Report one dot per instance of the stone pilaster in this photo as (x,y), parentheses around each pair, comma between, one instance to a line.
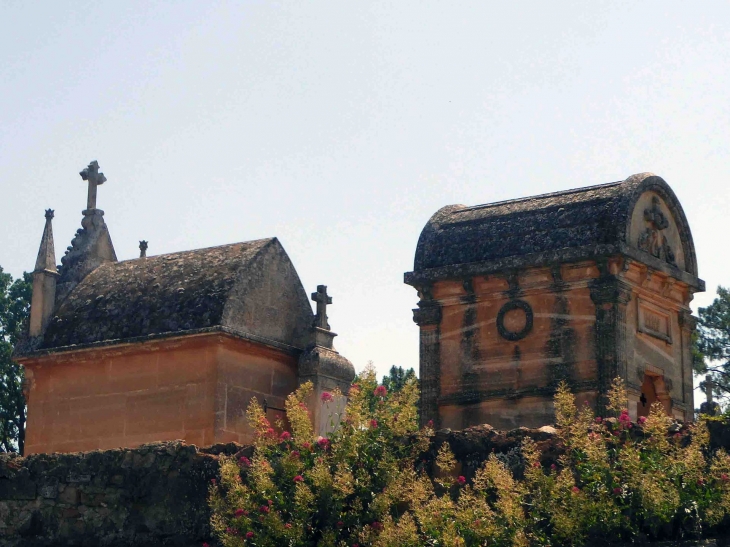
(428,317)
(687,326)
(611,296)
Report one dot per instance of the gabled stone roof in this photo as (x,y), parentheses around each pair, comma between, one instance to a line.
(568,225)
(226,286)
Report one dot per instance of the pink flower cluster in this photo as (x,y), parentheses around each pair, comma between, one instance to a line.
(327,397)
(285,436)
(380,391)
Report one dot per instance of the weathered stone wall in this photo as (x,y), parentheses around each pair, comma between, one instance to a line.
(156,494)
(152,495)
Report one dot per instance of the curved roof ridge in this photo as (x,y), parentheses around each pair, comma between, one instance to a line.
(262,241)
(173,292)
(570,225)
(539,196)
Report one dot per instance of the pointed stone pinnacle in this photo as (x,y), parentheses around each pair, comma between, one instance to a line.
(46,260)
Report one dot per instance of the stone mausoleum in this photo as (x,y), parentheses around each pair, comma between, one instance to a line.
(121,353)
(583,286)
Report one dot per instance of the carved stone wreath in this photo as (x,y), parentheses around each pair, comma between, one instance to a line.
(508,307)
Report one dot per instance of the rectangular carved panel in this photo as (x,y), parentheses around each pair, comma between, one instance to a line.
(654,321)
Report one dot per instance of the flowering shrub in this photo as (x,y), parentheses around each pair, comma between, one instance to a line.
(367,486)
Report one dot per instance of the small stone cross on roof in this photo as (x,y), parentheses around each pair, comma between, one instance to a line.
(322,299)
(95,178)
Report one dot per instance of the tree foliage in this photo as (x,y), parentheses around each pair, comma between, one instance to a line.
(711,350)
(398,377)
(14,310)
(368,485)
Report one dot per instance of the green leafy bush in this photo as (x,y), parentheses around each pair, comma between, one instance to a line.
(367,486)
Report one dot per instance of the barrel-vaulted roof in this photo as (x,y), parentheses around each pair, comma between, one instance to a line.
(539,230)
(250,288)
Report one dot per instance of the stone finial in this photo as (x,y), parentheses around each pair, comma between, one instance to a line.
(95,178)
(46,260)
(143,249)
(709,407)
(709,385)
(44,281)
(322,299)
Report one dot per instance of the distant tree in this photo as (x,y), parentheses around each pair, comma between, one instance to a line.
(14,310)
(711,348)
(397,378)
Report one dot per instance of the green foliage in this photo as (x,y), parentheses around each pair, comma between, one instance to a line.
(14,310)
(368,486)
(711,347)
(397,378)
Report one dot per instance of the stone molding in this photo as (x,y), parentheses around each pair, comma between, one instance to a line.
(610,290)
(477,396)
(563,256)
(429,314)
(508,307)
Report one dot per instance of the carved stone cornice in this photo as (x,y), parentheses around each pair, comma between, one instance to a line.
(686,320)
(429,314)
(610,290)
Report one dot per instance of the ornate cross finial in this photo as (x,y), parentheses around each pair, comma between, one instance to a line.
(322,299)
(143,249)
(49,214)
(95,178)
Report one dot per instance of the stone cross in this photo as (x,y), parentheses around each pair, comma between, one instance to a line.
(322,299)
(709,384)
(95,178)
(143,249)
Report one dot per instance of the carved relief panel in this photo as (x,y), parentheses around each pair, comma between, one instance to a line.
(654,231)
(654,321)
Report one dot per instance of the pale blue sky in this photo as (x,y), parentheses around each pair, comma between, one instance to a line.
(340,127)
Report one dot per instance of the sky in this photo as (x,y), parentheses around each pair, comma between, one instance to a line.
(341,127)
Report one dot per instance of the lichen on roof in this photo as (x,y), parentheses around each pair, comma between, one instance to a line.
(172,293)
(534,230)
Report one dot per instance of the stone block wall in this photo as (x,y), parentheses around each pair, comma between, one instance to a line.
(156,495)
(152,495)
